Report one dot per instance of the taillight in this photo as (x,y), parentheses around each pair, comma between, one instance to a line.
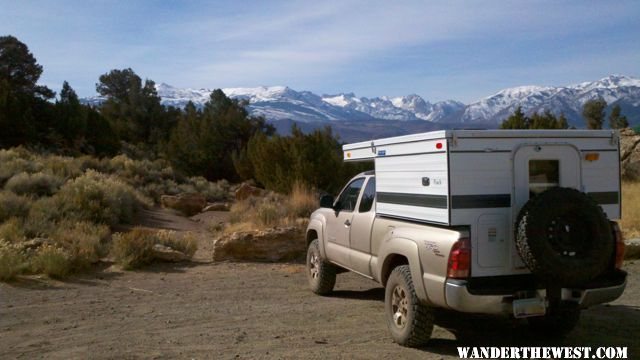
(459,265)
(619,245)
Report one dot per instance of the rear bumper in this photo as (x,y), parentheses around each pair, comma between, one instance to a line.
(459,298)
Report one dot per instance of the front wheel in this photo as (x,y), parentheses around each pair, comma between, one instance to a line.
(320,273)
(410,322)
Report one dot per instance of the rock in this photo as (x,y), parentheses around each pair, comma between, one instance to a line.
(630,154)
(245,191)
(188,203)
(216,207)
(271,245)
(165,253)
(632,249)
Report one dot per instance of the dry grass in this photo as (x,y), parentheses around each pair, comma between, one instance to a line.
(302,201)
(52,260)
(630,222)
(12,261)
(187,244)
(12,230)
(272,210)
(84,242)
(135,249)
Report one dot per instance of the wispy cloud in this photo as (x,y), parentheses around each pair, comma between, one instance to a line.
(373,48)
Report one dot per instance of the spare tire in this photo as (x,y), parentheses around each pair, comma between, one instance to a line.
(564,237)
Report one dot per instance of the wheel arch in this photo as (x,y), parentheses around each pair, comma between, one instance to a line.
(401,251)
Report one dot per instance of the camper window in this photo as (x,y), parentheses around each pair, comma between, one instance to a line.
(543,174)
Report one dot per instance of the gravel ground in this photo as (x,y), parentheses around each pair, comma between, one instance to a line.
(251,311)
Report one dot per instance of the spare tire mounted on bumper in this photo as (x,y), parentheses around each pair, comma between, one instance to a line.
(564,237)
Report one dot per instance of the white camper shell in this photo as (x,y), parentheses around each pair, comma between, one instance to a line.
(482,178)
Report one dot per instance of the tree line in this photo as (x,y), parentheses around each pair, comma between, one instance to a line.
(593,113)
(220,140)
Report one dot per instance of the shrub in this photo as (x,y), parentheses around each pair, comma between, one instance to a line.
(212,191)
(134,249)
(269,214)
(12,230)
(12,260)
(302,201)
(17,160)
(83,241)
(265,212)
(38,184)
(62,167)
(99,198)
(12,205)
(43,215)
(187,244)
(52,260)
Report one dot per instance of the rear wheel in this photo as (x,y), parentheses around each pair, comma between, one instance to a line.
(410,322)
(320,273)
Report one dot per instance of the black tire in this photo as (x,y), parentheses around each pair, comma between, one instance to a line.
(320,273)
(558,322)
(564,237)
(410,322)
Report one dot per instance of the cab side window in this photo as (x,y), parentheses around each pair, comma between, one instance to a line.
(349,196)
(368,196)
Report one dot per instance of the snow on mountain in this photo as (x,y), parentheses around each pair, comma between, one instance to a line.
(614,89)
(283,103)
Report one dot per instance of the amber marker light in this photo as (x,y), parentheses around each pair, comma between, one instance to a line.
(592,156)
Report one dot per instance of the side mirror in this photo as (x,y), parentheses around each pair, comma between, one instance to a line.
(326,201)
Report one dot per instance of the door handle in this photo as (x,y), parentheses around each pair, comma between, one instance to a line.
(347,223)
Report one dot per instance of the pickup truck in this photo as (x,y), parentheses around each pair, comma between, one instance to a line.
(494,222)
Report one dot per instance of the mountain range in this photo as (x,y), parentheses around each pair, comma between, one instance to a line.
(382,116)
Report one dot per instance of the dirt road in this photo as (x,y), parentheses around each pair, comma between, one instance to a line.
(252,311)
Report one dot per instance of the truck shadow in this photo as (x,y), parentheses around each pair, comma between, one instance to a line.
(373,294)
(605,325)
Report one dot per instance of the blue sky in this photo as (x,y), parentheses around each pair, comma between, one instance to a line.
(462,50)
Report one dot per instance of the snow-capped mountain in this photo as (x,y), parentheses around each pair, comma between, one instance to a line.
(614,89)
(278,103)
(281,102)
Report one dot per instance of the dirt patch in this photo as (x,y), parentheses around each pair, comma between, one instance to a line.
(253,311)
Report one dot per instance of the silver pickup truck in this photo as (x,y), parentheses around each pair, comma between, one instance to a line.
(492,222)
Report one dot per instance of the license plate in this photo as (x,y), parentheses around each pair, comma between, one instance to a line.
(524,308)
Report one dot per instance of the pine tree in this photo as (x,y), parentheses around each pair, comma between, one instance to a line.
(71,118)
(616,119)
(562,121)
(204,142)
(517,120)
(24,111)
(132,107)
(593,113)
